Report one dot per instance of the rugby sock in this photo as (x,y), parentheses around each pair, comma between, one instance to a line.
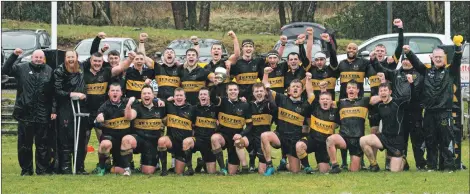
(304,159)
(162,154)
(219,156)
(344,156)
(188,159)
(252,158)
(173,160)
(269,163)
(102,159)
(126,157)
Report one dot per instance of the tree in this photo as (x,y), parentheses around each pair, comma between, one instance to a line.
(204,15)
(282,13)
(107,9)
(102,13)
(303,11)
(179,14)
(192,16)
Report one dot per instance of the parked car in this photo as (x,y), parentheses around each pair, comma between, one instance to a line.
(123,45)
(422,44)
(180,47)
(292,30)
(28,40)
(292,47)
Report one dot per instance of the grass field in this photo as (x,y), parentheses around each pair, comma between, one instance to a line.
(361,182)
(70,35)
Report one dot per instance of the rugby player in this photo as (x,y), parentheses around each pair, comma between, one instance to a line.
(391,113)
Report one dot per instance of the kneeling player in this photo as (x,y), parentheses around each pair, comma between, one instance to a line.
(180,118)
(323,121)
(353,112)
(147,126)
(233,116)
(204,127)
(114,127)
(391,111)
(290,125)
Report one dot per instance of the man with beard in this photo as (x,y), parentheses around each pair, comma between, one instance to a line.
(33,109)
(321,72)
(290,124)
(217,61)
(205,125)
(114,126)
(437,101)
(413,119)
(194,77)
(391,138)
(233,116)
(69,84)
(137,76)
(354,68)
(248,69)
(179,120)
(147,118)
(353,112)
(323,120)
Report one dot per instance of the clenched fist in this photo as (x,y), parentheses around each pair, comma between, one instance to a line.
(102,35)
(409,77)
(105,47)
(268,70)
(325,37)
(372,55)
(231,34)
(143,37)
(131,55)
(301,38)
(390,60)
(18,51)
(406,48)
(308,75)
(310,31)
(283,39)
(398,23)
(194,39)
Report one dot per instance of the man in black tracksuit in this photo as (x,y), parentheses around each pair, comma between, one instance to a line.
(437,101)
(70,83)
(412,122)
(33,108)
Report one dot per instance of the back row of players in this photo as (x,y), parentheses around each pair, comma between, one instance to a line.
(203,114)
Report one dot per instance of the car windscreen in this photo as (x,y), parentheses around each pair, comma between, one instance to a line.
(85,46)
(421,45)
(12,41)
(291,47)
(181,46)
(293,32)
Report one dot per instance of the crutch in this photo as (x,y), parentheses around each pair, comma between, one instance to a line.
(76,129)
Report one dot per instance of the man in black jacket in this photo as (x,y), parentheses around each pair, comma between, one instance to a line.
(33,109)
(69,83)
(437,101)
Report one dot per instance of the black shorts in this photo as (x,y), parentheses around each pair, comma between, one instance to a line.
(147,149)
(255,143)
(353,145)
(231,151)
(177,148)
(116,147)
(205,147)
(288,144)
(319,147)
(395,145)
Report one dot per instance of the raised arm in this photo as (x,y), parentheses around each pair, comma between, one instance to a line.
(195,41)
(95,45)
(457,60)
(236,48)
(399,49)
(309,43)
(142,39)
(283,40)
(267,71)
(308,85)
(415,62)
(123,65)
(8,68)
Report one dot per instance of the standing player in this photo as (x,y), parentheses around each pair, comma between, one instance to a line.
(390,111)
(323,121)
(147,118)
(248,69)
(353,112)
(437,101)
(290,125)
(137,76)
(180,119)
(205,125)
(194,77)
(233,116)
(217,61)
(114,126)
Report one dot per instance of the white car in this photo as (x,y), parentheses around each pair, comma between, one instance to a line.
(422,44)
(123,45)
